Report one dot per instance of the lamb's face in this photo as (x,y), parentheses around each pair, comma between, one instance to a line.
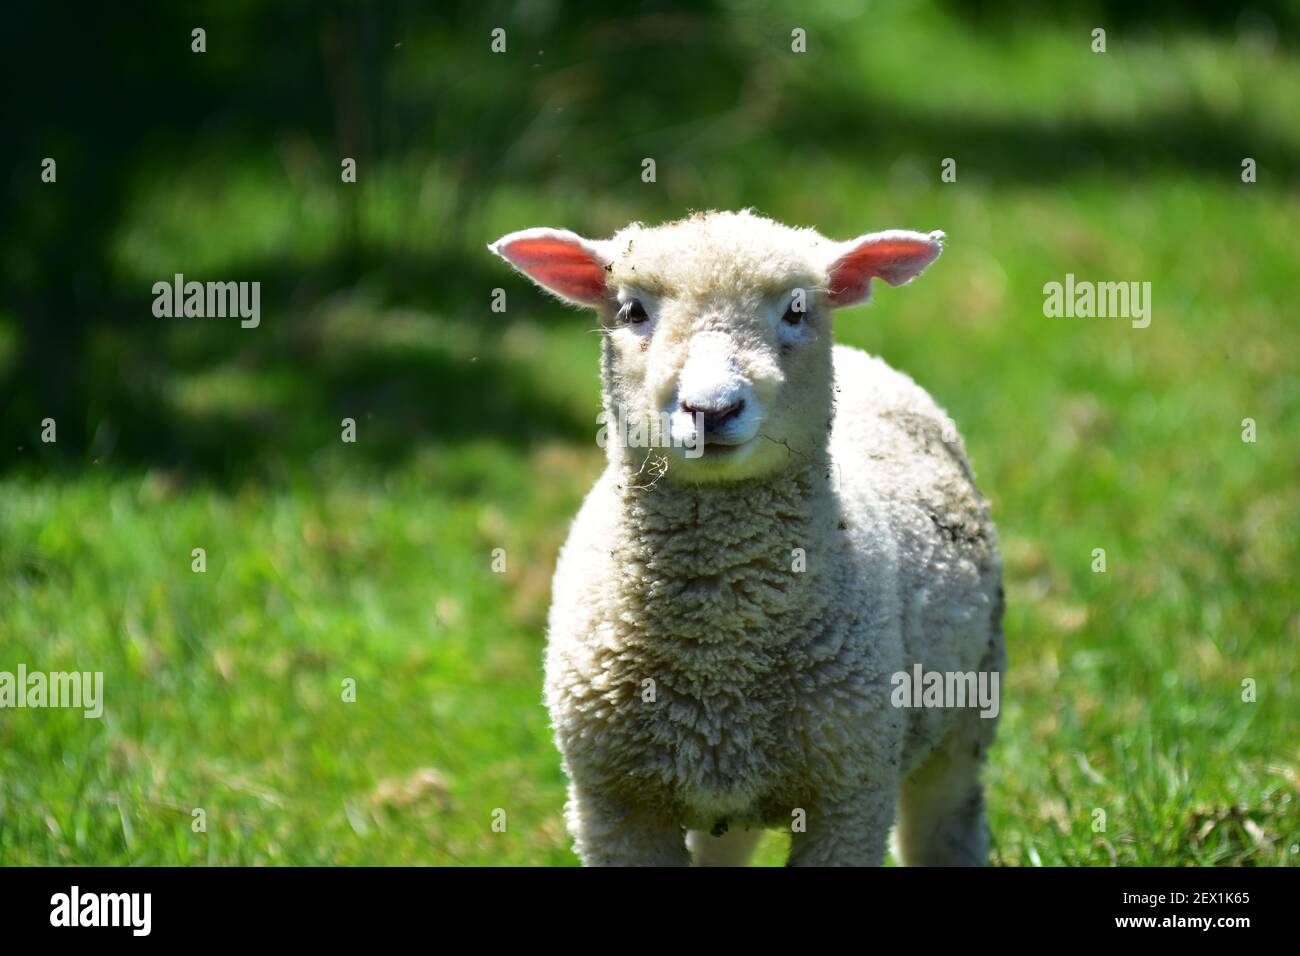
(718,332)
(726,349)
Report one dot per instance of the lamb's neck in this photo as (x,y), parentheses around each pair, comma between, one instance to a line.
(729,564)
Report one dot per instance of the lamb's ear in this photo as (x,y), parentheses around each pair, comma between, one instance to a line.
(896,255)
(559,261)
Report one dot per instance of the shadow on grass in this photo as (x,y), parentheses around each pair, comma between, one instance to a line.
(581,102)
(1011,152)
(125,410)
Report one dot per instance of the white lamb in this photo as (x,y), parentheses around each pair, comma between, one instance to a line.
(727,626)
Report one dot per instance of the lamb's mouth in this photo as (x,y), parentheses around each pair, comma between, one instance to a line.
(714,446)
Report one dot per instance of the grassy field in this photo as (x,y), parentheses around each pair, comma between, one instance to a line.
(371,561)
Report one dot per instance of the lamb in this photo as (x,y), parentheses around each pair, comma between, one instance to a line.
(729,629)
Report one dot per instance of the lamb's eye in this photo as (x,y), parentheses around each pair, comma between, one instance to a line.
(634,313)
(792,315)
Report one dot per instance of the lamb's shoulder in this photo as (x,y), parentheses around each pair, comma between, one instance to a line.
(893,444)
(875,405)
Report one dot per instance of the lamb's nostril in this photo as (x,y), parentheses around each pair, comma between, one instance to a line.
(715,418)
(727,414)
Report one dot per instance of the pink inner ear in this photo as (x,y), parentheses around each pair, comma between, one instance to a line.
(564,265)
(895,257)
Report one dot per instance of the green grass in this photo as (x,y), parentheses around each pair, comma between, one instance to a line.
(328,561)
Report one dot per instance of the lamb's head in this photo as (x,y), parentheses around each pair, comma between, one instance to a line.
(717,330)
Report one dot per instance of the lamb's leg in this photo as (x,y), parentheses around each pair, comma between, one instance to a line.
(732,848)
(606,833)
(941,805)
(846,831)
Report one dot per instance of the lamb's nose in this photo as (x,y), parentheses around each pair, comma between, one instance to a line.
(715,417)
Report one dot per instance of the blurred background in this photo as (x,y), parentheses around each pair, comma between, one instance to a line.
(1125,738)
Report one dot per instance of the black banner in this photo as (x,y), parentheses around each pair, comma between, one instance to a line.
(336,906)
